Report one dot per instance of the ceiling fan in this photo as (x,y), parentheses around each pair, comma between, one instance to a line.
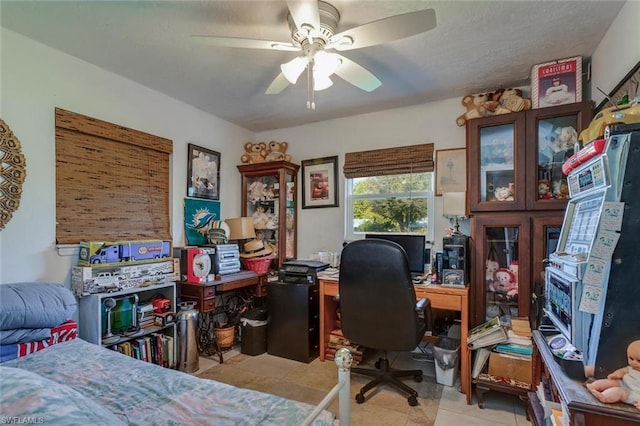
(313,27)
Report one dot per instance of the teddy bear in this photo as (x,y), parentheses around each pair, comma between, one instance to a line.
(254,152)
(511,100)
(256,191)
(477,106)
(277,151)
(544,190)
(491,267)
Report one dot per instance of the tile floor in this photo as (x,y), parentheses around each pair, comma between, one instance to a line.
(310,382)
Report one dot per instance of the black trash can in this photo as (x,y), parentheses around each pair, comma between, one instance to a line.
(253,332)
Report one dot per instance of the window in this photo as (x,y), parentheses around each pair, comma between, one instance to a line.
(389,190)
(394,203)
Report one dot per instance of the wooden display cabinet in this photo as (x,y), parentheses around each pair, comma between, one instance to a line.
(515,160)
(269,195)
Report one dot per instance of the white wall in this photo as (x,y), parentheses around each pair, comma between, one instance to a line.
(35,80)
(320,229)
(618,51)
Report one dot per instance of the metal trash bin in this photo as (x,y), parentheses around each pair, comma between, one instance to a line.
(253,332)
(188,357)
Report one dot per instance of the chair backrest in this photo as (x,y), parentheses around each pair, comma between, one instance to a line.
(377,298)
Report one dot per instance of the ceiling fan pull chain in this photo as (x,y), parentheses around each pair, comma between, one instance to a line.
(311,104)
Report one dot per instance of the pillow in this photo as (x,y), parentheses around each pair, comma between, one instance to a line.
(28,395)
(24,335)
(35,305)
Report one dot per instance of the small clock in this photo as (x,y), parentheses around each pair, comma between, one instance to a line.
(196,264)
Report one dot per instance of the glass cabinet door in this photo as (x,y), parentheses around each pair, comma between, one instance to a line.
(269,197)
(552,137)
(262,205)
(496,163)
(503,257)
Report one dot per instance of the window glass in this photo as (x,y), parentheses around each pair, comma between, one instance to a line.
(393,203)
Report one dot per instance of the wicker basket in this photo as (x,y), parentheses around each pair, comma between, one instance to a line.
(259,265)
(225,336)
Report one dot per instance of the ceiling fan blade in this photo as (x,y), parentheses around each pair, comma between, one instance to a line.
(385,30)
(277,85)
(304,12)
(247,43)
(357,75)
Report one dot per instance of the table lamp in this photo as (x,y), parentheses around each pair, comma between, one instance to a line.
(454,207)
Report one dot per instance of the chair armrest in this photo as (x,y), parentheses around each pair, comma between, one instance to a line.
(423,306)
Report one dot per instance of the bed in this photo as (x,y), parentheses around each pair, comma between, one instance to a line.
(75,382)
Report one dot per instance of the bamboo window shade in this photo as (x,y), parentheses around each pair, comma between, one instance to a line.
(112,182)
(389,161)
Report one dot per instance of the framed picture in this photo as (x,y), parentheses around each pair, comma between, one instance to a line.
(320,182)
(451,170)
(557,82)
(203,173)
(629,85)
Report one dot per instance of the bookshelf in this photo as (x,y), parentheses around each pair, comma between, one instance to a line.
(93,324)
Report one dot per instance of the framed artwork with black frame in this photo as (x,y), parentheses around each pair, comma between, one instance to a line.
(203,173)
(320,182)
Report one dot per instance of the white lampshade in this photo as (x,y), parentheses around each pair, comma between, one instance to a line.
(454,204)
(326,63)
(321,82)
(292,69)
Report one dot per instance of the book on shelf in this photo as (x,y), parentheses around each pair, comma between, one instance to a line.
(488,333)
(517,339)
(520,326)
(480,359)
(515,350)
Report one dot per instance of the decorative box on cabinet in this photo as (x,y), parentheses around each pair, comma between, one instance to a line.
(93,321)
(515,160)
(269,195)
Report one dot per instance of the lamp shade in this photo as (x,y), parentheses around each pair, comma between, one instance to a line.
(241,228)
(454,204)
(292,69)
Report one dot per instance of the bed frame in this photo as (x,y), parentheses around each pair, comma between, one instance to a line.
(342,389)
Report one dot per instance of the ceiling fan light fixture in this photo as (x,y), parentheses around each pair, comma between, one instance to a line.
(321,82)
(292,69)
(325,63)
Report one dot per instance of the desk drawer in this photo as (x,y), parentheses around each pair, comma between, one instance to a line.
(441,301)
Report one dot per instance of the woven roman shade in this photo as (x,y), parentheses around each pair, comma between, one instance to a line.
(112,183)
(389,161)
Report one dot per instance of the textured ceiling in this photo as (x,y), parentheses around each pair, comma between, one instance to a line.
(476,46)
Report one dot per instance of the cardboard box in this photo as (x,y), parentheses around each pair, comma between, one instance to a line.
(506,366)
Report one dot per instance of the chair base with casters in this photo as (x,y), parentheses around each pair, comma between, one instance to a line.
(383,374)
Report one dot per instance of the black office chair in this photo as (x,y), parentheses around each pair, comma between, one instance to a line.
(379,309)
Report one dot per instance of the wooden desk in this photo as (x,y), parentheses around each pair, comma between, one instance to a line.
(204,293)
(454,299)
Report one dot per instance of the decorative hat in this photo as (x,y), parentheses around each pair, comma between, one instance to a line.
(255,248)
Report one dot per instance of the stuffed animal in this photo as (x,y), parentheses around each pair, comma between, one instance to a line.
(544,190)
(511,100)
(277,151)
(560,190)
(254,152)
(504,281)
(256,191)
(477,106)
(491,267)
(504,193)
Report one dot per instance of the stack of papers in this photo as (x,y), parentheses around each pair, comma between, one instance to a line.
(487,334)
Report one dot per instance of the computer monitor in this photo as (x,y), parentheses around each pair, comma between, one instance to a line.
(413,244)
